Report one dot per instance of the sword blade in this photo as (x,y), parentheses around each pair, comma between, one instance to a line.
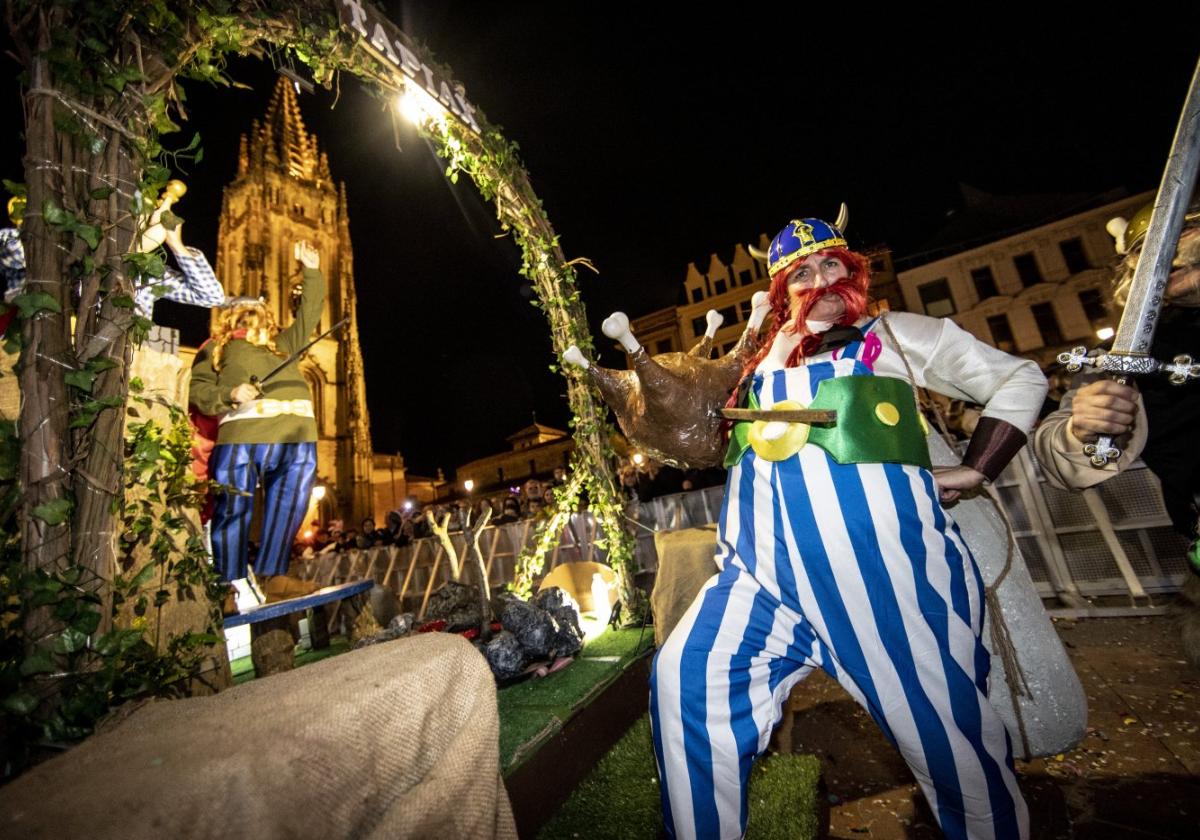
(279,367)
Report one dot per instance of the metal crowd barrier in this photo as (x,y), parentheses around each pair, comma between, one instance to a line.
(1112,540)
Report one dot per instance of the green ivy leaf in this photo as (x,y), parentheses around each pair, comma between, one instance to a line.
(102,193)
(69,641)
(86,622)
(89,234)
(37,663)
(54,512)
(81,379)
(20,703)
(142,577)
(55,215)
(30,303)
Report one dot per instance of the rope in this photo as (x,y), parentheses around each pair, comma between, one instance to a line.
(1002,643)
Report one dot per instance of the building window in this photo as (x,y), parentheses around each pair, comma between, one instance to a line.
(1047,324)
(697,294)
(730,316)
(936,299)
(1076,259)
(728,347)
(1093,305)
(985,282)
(663,346)
(1027,269)
(1002,334)
(746,276)
(699,325)
(745,309)
(718,287)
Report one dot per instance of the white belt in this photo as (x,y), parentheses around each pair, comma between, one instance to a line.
(256,409)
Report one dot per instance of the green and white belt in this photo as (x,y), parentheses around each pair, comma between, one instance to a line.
(877,422)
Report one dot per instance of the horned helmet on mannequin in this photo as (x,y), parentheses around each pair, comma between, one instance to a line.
(1182,289)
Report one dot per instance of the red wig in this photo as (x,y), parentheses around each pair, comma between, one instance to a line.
(852,290)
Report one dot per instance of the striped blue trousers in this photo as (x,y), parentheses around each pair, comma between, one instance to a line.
(286,471)
(853,568)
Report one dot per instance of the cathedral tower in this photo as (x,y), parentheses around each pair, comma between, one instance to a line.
(284,192)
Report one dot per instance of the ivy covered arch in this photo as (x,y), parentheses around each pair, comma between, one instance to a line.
(101,99)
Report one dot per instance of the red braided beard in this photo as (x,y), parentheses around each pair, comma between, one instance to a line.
(854,298)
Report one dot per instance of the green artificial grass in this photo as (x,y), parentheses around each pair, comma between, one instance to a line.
(620,797)
(536,708)
(626,643)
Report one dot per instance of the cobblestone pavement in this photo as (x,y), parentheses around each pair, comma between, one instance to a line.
(1135,775)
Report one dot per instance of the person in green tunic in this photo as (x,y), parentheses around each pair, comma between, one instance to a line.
(267,430)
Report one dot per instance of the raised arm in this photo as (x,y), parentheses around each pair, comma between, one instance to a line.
(312,299)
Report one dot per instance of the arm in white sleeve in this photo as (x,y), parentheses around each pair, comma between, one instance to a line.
(946,358)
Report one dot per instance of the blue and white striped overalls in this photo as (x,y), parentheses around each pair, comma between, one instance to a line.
(853,568)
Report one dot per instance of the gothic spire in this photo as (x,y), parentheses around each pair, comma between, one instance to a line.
(284,134)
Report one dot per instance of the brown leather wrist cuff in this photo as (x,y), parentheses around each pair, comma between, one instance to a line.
(993,445)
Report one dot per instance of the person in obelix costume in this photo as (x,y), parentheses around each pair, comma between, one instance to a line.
(266,433)
(835,552)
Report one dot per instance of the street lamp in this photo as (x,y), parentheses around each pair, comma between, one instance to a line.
(469,485)
(639,458)
(418,107)
(1104,333)
(318,492)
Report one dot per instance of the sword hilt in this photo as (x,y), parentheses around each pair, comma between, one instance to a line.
(1076,358)
(1181,369)
(1102,451)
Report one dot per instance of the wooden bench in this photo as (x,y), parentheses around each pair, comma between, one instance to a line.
(272,644)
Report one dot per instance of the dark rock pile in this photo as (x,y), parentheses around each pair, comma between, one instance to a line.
(398,627)
(539,631)
(542,630)
(457,604)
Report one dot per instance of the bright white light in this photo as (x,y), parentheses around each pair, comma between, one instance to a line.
(1105,333)
(639,458)
(318,492)
(308,534)
(469,485)
(408,505)
(418,107)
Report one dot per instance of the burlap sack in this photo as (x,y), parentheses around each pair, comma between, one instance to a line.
(686,560)
(397,740)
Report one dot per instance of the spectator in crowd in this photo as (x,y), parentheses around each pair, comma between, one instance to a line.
(371,536)
(394,527)
(510,512)
(559,478)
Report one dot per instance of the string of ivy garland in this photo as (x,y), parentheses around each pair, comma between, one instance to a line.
(494,165)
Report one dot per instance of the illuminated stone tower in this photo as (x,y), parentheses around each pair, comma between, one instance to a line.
(284,192)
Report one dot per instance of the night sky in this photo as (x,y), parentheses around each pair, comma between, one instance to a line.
(655,140)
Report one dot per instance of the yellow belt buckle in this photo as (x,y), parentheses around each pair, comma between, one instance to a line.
(770,442)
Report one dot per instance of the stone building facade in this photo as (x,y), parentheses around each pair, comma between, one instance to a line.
(1033,293)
